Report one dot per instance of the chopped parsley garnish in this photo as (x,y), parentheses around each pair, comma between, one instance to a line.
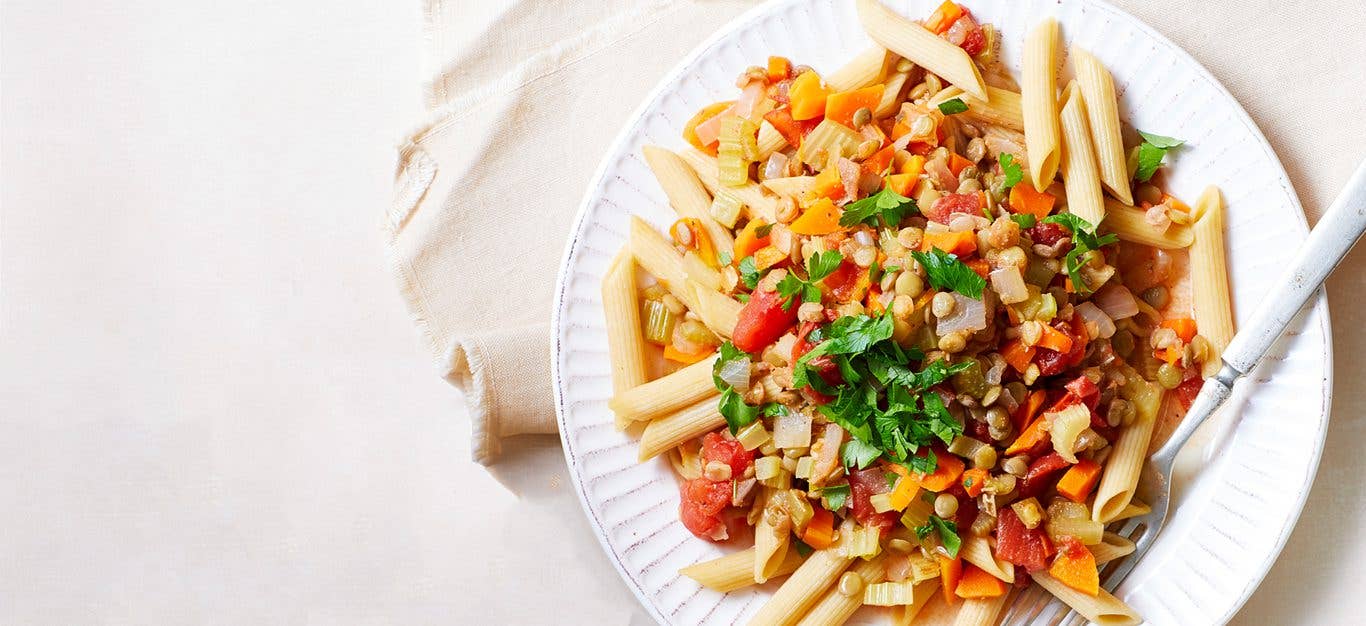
(948,534)
(887,206)
(820,265)
(1151,153)
(1025,220)
(952,106)
(1084,241)
(947,272)
(856,453)
(1012,170)
(763,231)
(732,406)
(725,257)
(834,497)
(749,273)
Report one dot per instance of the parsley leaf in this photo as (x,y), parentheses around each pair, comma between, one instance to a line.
(1084,241)
(886,205)
(763,231)
(738,414)
(952,106)
(818,267)
(822,264)
(1025,220)
(947,272)
(1150,154)
(834,497)
(1161,142)
(1012,170)
(749,273)
(858,454)
(948,533)
(924,464)
(725,257)
(801,547)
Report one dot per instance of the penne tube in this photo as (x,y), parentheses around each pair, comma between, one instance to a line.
(699,272)
(893,91)
(1130,224)
(790,186)
(666,394)
(1001,108)
(625,343)
(835,608)
(906,615)
(977,550)
(922,47)
(736,571)
(659,258)
(718,311)
(1081,178)
(804,587)
(1039,102)
(770,539)
(863,70)
(750,194)
(1102,114)
(981,611)
(1120,477)
(1209,276)
(1110,548)
(686,194)
(693,420)
(1134,509)
(769,140)
(1103,608)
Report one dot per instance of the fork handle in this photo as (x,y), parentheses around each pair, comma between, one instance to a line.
(1337,231)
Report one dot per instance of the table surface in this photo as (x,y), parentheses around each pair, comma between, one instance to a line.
(214,407)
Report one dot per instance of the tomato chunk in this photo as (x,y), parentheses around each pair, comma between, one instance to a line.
(1039,473)
(942,210)
(728,451)
(863,486)
(701,506)
(1020,545)
(1047,233)
(762,321)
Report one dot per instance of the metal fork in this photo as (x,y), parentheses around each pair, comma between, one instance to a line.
(1327,244)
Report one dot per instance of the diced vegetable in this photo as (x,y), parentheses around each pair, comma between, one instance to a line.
(1029,511)
(890,594)
(950,573)
(1018,355)
(1079,480)
(960,243)
(1183,326)
(1025,199)
(726,209)
(946,473)
(768,257)
(778,68)
(907,487)
(1055,340)
(977,583)
(1066,426)
(827,141)
(828,184)
(658,322)
(917,513)
(749,241)
(792,430)
(820,531)
(792,130)
(1075,567)
(709,113)
(762,321)
(840,107)
(863,542)
(1040,471)
(753,436)
(973,481)
(738,149)
(880,161)
(674,354)
(822,218)
(902,184)
(958,163)
(1020,545)
(913,166)
(807,96)
(943,17)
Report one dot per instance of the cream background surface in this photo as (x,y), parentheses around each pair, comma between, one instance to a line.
(213,408)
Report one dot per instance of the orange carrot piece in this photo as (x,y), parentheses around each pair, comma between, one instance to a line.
(943,17)
(1055,340)
(879,161)
(901,183)
(1018,355)
(706,113)
(689,358)
(961,243)
(1184,327)
(1031,407)
(820,531)
(898,129)
(913,166)
(958,163)
(1170,355)
(840,107)
(905,490)
(1033,434)
(973,481)
(807,96)
(950,572)
(748,241)
(1075,567)
(1025,199)
(946,473)
(828,184)
(768,256)
(1079,480)
(979,265)
(822,218)
(778,68)
(977,583)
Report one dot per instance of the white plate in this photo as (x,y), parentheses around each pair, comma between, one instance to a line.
(1234,515)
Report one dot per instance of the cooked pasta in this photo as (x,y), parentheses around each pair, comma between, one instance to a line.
(892,337)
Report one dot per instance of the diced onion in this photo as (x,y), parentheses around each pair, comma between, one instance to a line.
(961,222)
(803,470)
(1098,324)
(1088,531)
(792,430)
(775,166)
(923,569)
(750,98)
(881,502)
(968,314)
(1117,301)
(736,373)
(1029,512)
(863,237)
(1009,284)
(740,491)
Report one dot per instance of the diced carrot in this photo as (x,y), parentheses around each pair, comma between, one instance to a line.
(1075,567)
(1176,203)
(913,166)
(961,243)
(706,113)
(1055,340)
(872,303)
(977,583)
(820,531)
(807,96)
(944,17)
(791,130)
(778,68)
(1184,327)
(1025,199)
(946,473)
(879,161)
(1013,316)
(1018,355)
(973,481)
(1025,414)
(674,354)
(748,241)
(1033,434)
(822,218)
(979,265)
(958,163)
(905,490)
(899,129)
(696,239)
(1077,483)
(950,572)
(840,107)
(901,183)
(1169,355)
(768,256)
(828,184)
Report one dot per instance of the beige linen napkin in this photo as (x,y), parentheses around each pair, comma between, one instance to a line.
(486,190)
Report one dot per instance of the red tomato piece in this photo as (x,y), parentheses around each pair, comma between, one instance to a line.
(1050,362)
(1040,471)
(843,281)
(762,321)
(975,42)
(1188,389)
(1084,390)
(1020,545)
(942,210)
(863,486)
(701,506)
(728,451)
(1047,233)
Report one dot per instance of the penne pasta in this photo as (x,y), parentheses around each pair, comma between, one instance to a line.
(893,91)
(922,47)
(625,344)
(699,272)
(981,611)
(686,194)
(1080,177)
(1209,275)
(835,607)
(736,571)
(1039,102)
(1103,608)
(664,433)
(791,186)
(718,311)
(771,535)
(977,550)
(1120,477)
(1110,548)
(750,194)
(769,141)
(865,69)
(924,592)
(1130,224)
(666,394)
(660,259)
(1102,114)
(804,587)
(1134,509)
(1001,108)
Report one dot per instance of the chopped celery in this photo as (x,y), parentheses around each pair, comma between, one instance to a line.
(658,322)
